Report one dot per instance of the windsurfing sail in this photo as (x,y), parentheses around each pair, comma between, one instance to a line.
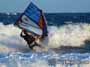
(33,20)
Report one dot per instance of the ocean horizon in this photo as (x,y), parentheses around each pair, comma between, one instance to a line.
(51,18)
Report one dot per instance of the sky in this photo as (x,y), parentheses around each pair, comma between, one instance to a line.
(46,5)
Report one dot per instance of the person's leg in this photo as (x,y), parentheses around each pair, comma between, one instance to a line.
(31,46)
(37,47)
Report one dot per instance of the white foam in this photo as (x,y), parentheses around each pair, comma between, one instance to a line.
(69,35)
(10,39)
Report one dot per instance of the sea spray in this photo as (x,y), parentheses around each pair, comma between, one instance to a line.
(66,35)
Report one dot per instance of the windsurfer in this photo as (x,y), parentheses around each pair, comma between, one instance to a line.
(33,41)
(34,25)
(29,38)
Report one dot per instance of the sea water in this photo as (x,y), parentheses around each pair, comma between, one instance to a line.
(44,60)
(11,54)
(15,53)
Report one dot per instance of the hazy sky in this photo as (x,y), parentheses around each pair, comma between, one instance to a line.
(46,5)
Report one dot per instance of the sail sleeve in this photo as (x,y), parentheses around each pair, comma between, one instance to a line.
(33,20)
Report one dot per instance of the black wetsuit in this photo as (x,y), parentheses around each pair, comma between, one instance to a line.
(29,39)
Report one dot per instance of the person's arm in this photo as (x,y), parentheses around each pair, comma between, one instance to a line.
(22,34)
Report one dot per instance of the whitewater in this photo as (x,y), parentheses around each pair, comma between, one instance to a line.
(14,51)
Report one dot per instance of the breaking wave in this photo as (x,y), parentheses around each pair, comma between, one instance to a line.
(66,35)
(69,35)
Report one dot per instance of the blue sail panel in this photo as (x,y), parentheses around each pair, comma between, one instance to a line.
(33,12)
